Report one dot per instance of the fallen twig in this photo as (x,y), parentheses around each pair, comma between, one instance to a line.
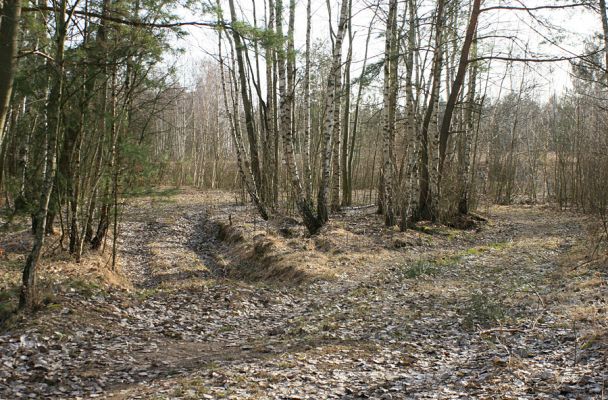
(502,330)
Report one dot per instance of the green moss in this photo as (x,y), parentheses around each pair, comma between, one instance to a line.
(500,245)
(474,251)
(477,250)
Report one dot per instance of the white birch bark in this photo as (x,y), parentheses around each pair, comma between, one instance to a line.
(330,117)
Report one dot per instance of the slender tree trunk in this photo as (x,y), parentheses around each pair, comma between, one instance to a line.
(286,64)
(330,117)
(465,158)
(335,150)
(9,31)
(346,184)
(74,188)
(428,130)
(107,200)
(444,131)
(28,289)
(356,112)
(604,17)
(410,208)
(307,173)
(103,214)
(269,115)
(244,171)
(388,114)
(249,121)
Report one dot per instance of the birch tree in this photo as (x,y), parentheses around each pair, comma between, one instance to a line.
(246,99)
(330,115)
(430,134)
(285,67)
(388,114)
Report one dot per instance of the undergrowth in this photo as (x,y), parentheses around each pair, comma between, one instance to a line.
(8,304)
(420,268)
(430,267)
(482,310)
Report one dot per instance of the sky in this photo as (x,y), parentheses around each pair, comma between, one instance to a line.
(549,33)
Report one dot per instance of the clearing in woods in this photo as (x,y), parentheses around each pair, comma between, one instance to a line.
(222,305)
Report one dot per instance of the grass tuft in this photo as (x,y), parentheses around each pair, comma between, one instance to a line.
(8,304)
(482,310)
(421,268)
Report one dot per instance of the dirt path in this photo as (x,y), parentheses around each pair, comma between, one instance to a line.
(477,315)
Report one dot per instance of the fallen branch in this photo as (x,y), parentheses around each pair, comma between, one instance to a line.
(502,330)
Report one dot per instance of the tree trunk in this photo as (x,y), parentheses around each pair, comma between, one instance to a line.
(604,18)
(286,92)
(249,123)
(388,114)
(429,133)
(444,131)
(346,185)
(237,140)
(330,117)
(335,150)
(307,173)
(465,156)
(356,114)
(9,31)
(410,207)
(27,297)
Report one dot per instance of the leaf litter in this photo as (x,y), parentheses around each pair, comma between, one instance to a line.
(359,311)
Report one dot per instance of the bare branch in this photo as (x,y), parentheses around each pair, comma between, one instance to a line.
(536,60)
(132,22)
(537,8)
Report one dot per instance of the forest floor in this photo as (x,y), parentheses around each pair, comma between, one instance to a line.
(210,302)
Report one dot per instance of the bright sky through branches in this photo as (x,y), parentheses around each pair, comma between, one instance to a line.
(548,33)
